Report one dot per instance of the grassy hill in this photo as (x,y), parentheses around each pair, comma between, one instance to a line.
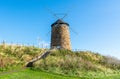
(15,56)
(81,64)
(60,63)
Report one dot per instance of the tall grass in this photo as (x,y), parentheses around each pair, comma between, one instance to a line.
(15,56)
(64,62)
(81,63)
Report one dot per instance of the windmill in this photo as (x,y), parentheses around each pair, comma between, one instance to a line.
(60,35)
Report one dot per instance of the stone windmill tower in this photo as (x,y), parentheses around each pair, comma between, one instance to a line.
(60,36)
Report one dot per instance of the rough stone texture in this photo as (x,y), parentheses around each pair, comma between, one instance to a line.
(60,37)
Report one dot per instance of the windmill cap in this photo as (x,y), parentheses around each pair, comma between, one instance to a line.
(59,21)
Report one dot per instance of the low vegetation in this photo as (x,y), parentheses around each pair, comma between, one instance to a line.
(76,65)
(31,74)
(15,56)
(82,63)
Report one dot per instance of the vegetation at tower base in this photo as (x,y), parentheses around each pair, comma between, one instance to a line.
(62,62)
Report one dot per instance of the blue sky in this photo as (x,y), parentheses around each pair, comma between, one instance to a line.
(97,23)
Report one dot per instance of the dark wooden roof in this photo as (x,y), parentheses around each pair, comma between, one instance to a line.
(59,21)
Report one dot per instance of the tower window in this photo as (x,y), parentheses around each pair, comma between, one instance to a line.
(58,47)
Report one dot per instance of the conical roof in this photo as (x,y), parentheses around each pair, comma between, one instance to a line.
(59,21)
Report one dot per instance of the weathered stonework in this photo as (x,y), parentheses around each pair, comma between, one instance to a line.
(60,37)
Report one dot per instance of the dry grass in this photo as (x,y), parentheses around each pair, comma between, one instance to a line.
(12,56)
(74,63)
(82,63)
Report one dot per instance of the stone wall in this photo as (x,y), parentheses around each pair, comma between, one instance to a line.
(60,37)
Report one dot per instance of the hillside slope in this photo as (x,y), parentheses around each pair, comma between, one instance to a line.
(82,63)
(64,62)
(15,56)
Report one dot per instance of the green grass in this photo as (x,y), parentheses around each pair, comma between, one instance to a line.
(80,64)
(32,74)
(73,65)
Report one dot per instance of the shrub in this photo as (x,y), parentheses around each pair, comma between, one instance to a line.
(111,62)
